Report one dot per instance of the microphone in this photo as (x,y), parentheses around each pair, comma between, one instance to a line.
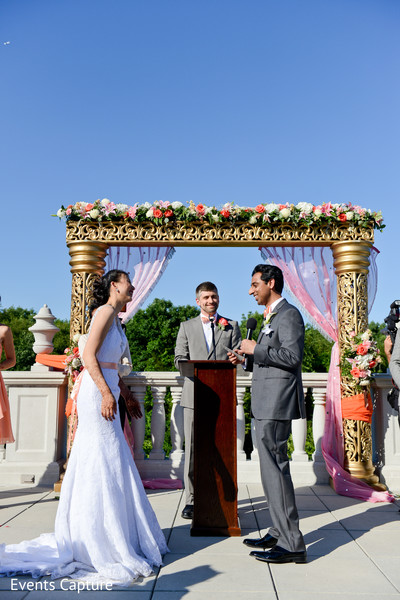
(251,325)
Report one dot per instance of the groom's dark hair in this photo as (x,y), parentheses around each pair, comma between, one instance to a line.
(270,272)
(206,286)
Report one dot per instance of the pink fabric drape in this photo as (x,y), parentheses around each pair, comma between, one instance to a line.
(145,264)
(311,281)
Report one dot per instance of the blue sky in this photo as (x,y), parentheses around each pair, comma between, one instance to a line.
(213,101)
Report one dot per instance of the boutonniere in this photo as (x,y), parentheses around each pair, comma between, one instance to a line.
(266,328)
(222,324)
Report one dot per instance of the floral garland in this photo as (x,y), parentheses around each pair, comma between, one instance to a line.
(73,363)
(161,212)
(360,359)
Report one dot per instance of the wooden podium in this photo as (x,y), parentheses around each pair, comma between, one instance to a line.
(215,477)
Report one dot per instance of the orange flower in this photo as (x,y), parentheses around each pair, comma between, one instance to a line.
(225,213)
(89,207)
(168,213)
(342,217)
(157,214)
(200,209)
(260,208)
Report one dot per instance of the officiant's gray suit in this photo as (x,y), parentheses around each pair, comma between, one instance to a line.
(191,345)
(277,397)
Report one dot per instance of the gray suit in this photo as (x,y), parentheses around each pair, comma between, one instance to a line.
(277,397)
(191,345)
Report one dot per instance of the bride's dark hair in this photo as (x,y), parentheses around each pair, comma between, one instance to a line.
(101,288)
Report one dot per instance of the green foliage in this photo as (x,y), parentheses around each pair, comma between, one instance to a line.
(61,339)
(379,337)
(19,320)
(317,351)
(152,334)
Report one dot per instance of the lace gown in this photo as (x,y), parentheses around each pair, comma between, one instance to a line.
(105,529)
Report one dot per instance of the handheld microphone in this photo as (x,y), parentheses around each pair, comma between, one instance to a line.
(251,325)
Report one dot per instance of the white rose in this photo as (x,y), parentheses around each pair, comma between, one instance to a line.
(176,205)
(105,201)
(149,213)
(146,205)
(317,212)
(285,213)
(252,220)
(215,218)
(76,363)
(349,215)
(94,213)
(305,207)
(122,207)
(61,213)
(76,337)
(269,208)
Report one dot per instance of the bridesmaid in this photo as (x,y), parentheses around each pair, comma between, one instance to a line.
(6,343)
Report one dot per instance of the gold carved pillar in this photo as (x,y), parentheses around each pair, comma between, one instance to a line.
(351,263)
(87,263)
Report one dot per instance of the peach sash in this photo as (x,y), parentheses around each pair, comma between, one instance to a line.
(6,434)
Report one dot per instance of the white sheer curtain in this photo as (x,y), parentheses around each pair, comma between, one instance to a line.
(311,281)
(145,265)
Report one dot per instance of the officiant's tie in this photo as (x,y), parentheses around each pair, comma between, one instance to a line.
(214,351)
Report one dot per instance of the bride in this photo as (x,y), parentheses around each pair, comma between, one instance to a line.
(105,528)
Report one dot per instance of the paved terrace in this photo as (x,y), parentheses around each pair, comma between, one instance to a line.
(353,551)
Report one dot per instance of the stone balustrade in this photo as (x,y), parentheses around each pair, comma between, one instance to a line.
(37,401)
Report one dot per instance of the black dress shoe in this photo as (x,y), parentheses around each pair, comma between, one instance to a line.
(280,555)
(268,541)
(187,512)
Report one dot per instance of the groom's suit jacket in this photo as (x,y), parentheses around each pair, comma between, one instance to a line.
(191,345)
(277,389)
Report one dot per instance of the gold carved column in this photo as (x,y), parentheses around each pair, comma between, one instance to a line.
(351,263)
(87,263)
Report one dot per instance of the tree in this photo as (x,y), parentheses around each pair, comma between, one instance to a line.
(62,338)
(152,334)
(19,320)
(317,351)
(378,335)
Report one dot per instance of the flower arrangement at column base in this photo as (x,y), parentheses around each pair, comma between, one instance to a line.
(357,365)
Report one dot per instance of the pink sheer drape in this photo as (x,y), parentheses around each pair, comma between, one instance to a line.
(145,264)
(311,281)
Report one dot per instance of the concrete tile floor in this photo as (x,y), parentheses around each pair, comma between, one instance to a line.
(353,551)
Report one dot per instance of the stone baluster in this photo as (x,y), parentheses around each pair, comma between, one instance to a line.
(138,426)
(254,454)
(176,423)
(318,422)
(158,422)
(240,422)
(299,436)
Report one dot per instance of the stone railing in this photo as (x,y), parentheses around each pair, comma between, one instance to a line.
(157,465)
(37,402)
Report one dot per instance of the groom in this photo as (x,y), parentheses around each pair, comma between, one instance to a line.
(201,338)
(276,398)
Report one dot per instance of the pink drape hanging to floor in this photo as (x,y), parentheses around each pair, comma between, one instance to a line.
(145,265)
(311,281)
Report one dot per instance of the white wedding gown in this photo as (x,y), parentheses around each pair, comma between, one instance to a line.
(105,528)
